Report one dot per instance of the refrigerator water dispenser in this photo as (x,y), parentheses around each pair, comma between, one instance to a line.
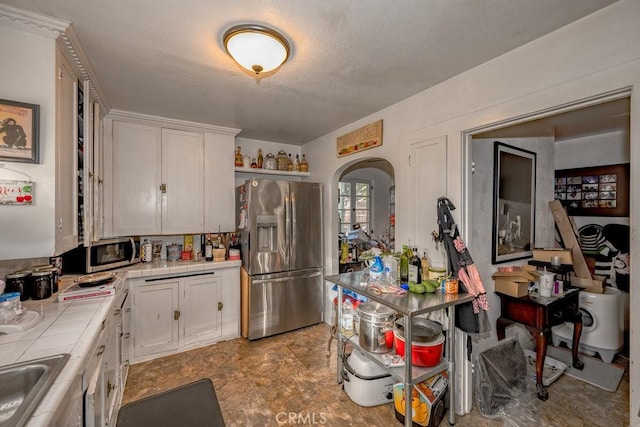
(267,226)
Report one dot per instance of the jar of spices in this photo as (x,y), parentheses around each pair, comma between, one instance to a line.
(283,160)
(270,162)
(42,286)
(54,276)
(19,282)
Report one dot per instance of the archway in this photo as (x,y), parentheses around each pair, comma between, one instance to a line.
(367,199)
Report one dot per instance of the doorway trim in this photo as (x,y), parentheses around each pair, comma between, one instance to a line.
(467,135)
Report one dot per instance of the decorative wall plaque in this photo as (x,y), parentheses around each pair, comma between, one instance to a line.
(366,137)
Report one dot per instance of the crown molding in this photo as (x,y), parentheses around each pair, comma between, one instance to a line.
(32,22)
(72,49)
(116,114)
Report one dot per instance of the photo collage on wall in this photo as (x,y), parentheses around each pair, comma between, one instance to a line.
(590,191)
(594,191)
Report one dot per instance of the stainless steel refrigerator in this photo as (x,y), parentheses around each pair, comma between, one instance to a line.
(280,233)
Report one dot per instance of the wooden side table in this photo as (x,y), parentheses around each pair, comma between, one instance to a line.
(540,314)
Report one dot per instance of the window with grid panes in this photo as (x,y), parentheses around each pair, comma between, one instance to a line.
(354,205)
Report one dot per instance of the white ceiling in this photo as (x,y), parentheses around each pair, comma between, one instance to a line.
(350,58)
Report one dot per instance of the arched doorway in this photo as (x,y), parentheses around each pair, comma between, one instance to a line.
(365,210)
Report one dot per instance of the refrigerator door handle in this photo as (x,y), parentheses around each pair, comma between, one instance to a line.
(287,226)
(287,278)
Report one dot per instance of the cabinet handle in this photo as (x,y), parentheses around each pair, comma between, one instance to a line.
(117,312)
(176,315)
(127,335)
(101,350)
(163,188)
(220,305)
(109,388)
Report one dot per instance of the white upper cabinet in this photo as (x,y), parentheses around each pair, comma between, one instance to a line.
(66,201)
(166,177)
(182,182)
(135,179)
(219,182)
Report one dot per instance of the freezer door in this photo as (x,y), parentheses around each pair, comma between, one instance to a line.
(267,240)
(284,302)
(306,225)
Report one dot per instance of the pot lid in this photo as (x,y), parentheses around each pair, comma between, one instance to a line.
(375,308)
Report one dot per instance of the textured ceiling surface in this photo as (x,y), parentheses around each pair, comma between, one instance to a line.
(349,58)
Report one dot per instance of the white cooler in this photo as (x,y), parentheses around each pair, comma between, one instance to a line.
(366,383)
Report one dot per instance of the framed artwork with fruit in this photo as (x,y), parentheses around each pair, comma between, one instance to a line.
(16,192)
(19,131)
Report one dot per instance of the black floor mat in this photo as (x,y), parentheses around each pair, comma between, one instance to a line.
(193,404)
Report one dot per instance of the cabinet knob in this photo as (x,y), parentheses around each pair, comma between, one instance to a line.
(176,315)
(220,305)
(163,188)
(100,350)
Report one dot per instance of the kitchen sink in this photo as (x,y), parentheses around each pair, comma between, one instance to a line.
(24,384)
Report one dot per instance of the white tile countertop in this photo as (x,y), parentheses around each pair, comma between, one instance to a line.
(73,327)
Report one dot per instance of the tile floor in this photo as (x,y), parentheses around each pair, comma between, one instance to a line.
(289,380)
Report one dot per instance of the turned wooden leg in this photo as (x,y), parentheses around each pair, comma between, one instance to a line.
(541,353)
(577,331)
(501,324)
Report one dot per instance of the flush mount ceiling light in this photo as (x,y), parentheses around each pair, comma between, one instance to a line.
(258,49)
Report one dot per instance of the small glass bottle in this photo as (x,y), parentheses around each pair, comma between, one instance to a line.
(208,249)
(238,159)
(254,164)
(260,158)
(289,163)
(304,166)
(296,164)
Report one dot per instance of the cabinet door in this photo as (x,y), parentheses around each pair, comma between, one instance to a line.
(231,300)
(66,202)
(182,174)
(219,182)
(95,398)
(97,179)
(135,179)
(155,318)
(201,307)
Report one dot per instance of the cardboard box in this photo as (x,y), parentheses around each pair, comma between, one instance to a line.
(522,275)
(515,288)
(544,255)
(595,285)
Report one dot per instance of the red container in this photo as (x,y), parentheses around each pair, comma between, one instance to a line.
(422,354)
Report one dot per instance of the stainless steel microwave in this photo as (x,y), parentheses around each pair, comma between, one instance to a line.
(102,255)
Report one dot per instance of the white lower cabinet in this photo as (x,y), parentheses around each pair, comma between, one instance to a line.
(172,314)
(103,374)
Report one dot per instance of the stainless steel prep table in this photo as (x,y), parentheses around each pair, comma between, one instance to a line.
(409,305)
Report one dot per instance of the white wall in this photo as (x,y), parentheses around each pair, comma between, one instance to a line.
(595,150)
(27,75)
(480,230)
(595,55)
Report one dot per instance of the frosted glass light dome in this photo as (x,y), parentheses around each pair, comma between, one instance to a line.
(258,49)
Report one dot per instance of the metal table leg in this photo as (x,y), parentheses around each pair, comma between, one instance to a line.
(451,351)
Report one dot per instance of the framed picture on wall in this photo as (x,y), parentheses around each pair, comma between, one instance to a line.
(19,125)
(514,196)
(594,191)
